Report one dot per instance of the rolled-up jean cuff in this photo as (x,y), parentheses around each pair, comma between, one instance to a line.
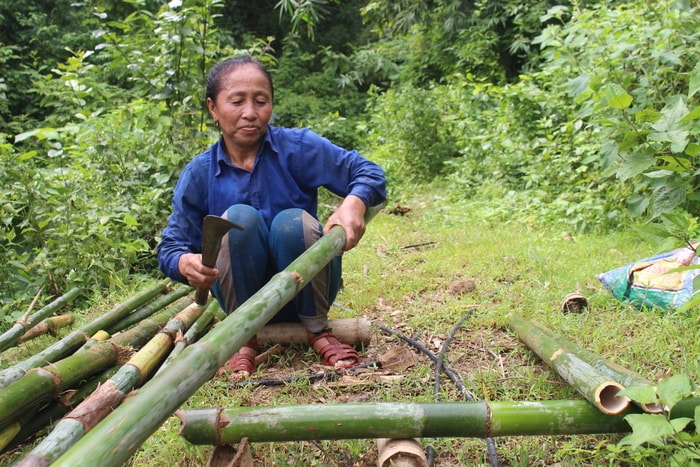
(314,324)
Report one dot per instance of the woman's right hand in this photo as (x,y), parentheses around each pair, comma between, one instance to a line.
(197,274)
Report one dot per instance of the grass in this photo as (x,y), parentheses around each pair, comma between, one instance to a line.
(403,275)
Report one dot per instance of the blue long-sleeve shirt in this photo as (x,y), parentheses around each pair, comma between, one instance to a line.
(290,166)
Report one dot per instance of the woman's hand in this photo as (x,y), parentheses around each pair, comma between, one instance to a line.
(351,216)
(197,274)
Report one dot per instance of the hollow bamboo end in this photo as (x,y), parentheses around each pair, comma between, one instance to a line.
(574,303)
(608,400)
(653,408)
(402,452)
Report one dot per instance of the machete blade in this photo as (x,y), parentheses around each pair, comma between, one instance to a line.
(213,229)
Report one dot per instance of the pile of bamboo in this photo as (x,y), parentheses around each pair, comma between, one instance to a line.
(164,343)
(62,377)
(30,390)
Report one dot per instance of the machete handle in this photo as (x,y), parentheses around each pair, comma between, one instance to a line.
(201,296)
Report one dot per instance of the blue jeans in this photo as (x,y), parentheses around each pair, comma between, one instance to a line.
(250,257)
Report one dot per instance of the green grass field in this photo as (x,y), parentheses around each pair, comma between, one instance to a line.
(409,274)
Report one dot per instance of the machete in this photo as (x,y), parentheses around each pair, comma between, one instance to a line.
(213,230)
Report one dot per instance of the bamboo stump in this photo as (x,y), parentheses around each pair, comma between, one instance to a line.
(400,453)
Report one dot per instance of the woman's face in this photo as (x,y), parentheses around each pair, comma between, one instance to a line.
(243,106)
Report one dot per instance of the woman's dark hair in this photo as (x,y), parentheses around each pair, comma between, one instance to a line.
(225,67)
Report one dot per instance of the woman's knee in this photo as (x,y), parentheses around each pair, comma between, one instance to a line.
(246,216)
(288,219)
(296,224)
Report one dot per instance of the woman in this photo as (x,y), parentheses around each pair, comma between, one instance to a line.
(266,179)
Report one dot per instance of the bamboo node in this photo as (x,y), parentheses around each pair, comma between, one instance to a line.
(296,277)
(179,337)
(123,353)
(556,355)
(100,403)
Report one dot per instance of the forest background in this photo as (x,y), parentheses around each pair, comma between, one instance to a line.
(576,117)
(576,113)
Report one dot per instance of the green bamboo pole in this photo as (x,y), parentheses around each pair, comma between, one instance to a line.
(148,309)
(40,385)
(99,336)
(193,333)
(30,423)
(48,326)
(404,420)
(9,433)
(110,394)
(140,314)
(597,388)
(121,433)
(622,375)
(10,337)
(77,337)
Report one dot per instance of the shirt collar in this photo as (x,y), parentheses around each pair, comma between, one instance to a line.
(222,157)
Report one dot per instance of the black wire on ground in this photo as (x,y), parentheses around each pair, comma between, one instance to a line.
(493,456)
(490,444)
(445,368)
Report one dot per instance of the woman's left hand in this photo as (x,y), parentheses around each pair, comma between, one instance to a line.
(351,216)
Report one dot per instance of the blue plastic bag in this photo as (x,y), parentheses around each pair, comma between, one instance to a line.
(655,281)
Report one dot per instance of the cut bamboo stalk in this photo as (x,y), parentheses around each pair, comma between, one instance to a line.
(622,375)
(77,337)
(193,333)
(351,331)
(9,433)
(118,436)
(32,422)
(40,385)
(10,337)
(110,394)
(175,298)
(147,310)
(48,326)
(406,420)
(597,388)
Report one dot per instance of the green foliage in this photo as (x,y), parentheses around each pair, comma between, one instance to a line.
(435,39)
(513,145)
(330,99)
(34,37)
(604,130)
(660,438)
(84,197)
(406,135)
(307,13)
(632,73)
(168,53)
(304,103)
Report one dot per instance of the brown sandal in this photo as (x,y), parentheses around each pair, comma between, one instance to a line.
(242,364)
(332,351)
